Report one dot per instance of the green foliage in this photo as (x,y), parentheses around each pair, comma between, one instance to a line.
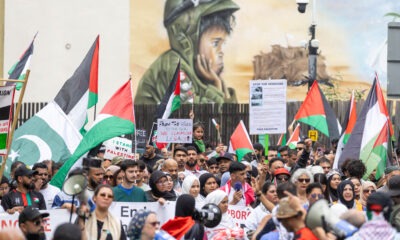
(394,15)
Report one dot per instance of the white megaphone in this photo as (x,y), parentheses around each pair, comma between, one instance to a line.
(73,186)
(320,215)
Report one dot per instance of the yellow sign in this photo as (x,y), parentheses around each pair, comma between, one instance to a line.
(313,135)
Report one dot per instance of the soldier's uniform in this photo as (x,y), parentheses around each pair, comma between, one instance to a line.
(182,20)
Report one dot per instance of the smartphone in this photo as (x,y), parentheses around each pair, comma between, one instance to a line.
(224,148)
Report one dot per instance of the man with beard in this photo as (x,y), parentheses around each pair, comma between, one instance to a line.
(191,167)
(171,166)
(150,157)
(180,156)
(31,222)
(127,191)
(24,195)
(42,183)
(95,176)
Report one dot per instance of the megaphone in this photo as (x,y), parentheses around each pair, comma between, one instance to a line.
(210,215)
(320,215)
(74,185)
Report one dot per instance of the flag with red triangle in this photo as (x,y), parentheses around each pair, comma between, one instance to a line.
(117,118)
(240,142)
(316,112)
(366,141)
(170,103)
(281,140)
(292,142)
(348,125)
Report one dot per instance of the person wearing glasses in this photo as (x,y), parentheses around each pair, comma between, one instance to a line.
(143,225)
(109,175)
(302,178)
(42,183)
(127,191)
(367,189)
(281,175)
(24,195)
(31,222)
(100,224)
(314,192)
(159,183)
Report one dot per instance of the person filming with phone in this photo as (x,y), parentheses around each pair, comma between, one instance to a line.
(239,192)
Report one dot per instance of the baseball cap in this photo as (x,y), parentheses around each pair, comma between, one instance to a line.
(394,186)
(225,156)
(281,171)
(30,213)
(24,171)
(390,169)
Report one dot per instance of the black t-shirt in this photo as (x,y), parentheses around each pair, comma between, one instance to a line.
(109,237)
(15,198)
(150,161)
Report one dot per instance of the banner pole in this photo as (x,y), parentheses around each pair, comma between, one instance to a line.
(14,122)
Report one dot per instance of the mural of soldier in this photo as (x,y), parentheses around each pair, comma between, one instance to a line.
(197,32)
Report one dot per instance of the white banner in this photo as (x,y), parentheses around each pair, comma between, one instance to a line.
(267,106)
(122,210)
(118,147)
(174,130)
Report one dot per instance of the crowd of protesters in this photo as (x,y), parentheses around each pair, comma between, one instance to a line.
(279,184)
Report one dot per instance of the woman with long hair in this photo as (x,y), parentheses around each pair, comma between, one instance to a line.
(334,179)
(100,224)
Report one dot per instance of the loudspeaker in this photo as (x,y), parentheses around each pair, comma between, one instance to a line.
(74,185)
(320,215)
(210,215)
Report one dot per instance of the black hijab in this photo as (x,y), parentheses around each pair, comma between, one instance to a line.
(155,176)
(342,185)
(203,179)
(185,205)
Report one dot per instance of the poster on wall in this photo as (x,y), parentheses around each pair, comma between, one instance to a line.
(267,106)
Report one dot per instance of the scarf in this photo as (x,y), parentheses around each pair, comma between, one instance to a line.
(340,190)
(203,179)
(111,225)
(247,191)
(155,176)
(200,145)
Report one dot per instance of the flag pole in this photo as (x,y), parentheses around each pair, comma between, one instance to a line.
(134,117)
(14,120)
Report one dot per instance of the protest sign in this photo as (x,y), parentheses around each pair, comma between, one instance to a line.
(118,147)
(174,130)
(6,101)
(267,106)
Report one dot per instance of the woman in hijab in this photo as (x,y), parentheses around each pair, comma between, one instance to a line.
(158,183)
(208,184)
(185,207)
(143,225)
(331,187)
(220,198)
(346,195)
(191,185)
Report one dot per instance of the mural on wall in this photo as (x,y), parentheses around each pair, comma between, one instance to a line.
(222,44)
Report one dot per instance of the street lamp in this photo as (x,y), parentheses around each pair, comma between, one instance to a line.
(313,43)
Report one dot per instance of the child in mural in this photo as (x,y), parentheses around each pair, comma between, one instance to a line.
(197,34)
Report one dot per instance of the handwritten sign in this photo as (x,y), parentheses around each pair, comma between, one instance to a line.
(118,147)
(174,130)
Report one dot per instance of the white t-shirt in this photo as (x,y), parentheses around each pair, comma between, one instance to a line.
(48,194)
(242,201)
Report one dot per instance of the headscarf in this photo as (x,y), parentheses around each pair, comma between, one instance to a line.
(216,197)
(188,182)
(340,190)
(330,193)
(155,176)
(137,223)
(185,205)
(113,168)
(203,179)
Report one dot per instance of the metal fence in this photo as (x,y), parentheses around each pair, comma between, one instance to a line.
(227,115)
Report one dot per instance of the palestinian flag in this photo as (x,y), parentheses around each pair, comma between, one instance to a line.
(292,142)
(240,141)
(369,130)
(282,140)
(349,122)
(170,103)
(379,154)
(6,103)
(316,112)
(53,133)
(116,118)
(19,69)
(172,99)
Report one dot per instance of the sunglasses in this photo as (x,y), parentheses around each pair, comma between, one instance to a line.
(282,178)
(108,176)
(369,191)
(106,195)
(317,196)
(304,180)
(154,224)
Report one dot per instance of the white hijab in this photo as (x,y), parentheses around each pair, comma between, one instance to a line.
(187,185)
